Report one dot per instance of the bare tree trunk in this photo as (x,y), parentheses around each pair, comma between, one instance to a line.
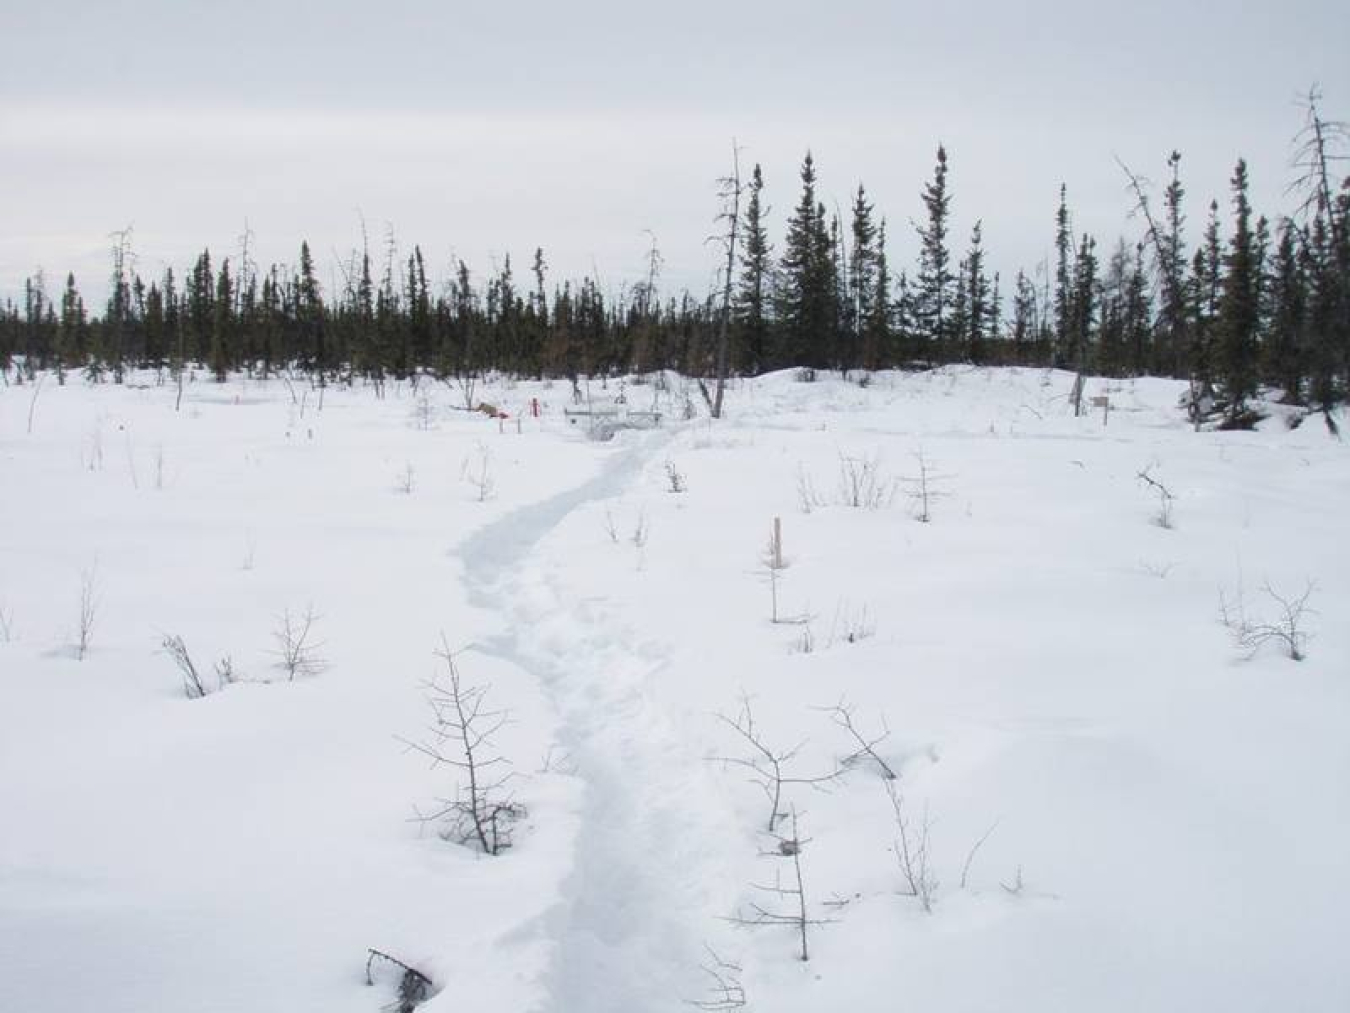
(731,197)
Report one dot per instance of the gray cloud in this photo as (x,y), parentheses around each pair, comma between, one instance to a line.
(483,130)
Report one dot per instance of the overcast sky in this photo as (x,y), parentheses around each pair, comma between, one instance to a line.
(577,126)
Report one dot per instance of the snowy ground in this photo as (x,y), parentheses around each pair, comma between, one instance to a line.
(1171,818)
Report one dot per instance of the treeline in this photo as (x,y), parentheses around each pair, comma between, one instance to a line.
(1255,303)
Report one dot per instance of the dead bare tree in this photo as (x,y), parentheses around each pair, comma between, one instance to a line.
(1169,265)
(296,652)
(482,811)
(768,767)
(1315,158)
(842,715)
(730,193)
(1287,629)
(912,850)
(6,624)
(793,894)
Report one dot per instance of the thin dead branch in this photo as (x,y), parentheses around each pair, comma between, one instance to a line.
(768,768)
(842,715)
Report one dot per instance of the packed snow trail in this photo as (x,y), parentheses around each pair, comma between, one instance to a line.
(646,883)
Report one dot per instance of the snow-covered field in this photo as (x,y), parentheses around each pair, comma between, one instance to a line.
(1170,817)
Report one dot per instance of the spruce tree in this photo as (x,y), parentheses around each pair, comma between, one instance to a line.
(752,299)
(807,296)
(222,325)
(1138,317)
(1064,355)
(1206,276)
(1239,310)
(877,339)
(1024,326)
(1285,334)
(310,318)
(862,270)
(72,329)
(1083,300)
(201,297)
(979,305)
(935,286)
(1174,317)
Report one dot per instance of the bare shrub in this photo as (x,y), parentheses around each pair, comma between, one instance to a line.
(1016,886)
(194,686)
(805,643)
(424,411)
(641,531)
(225,672)
(6,624)
(1163,515)
(768,768)
(176,649)
(1161,570)
(1288,628)
(675,480)
(912,850)
(414,987)
(862,484)
(296,651)
(610,528)
(851,625)
(405,479)
(482,811)
(95,459)
(725,991)
(88,614)
(477,472)
(808,499)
